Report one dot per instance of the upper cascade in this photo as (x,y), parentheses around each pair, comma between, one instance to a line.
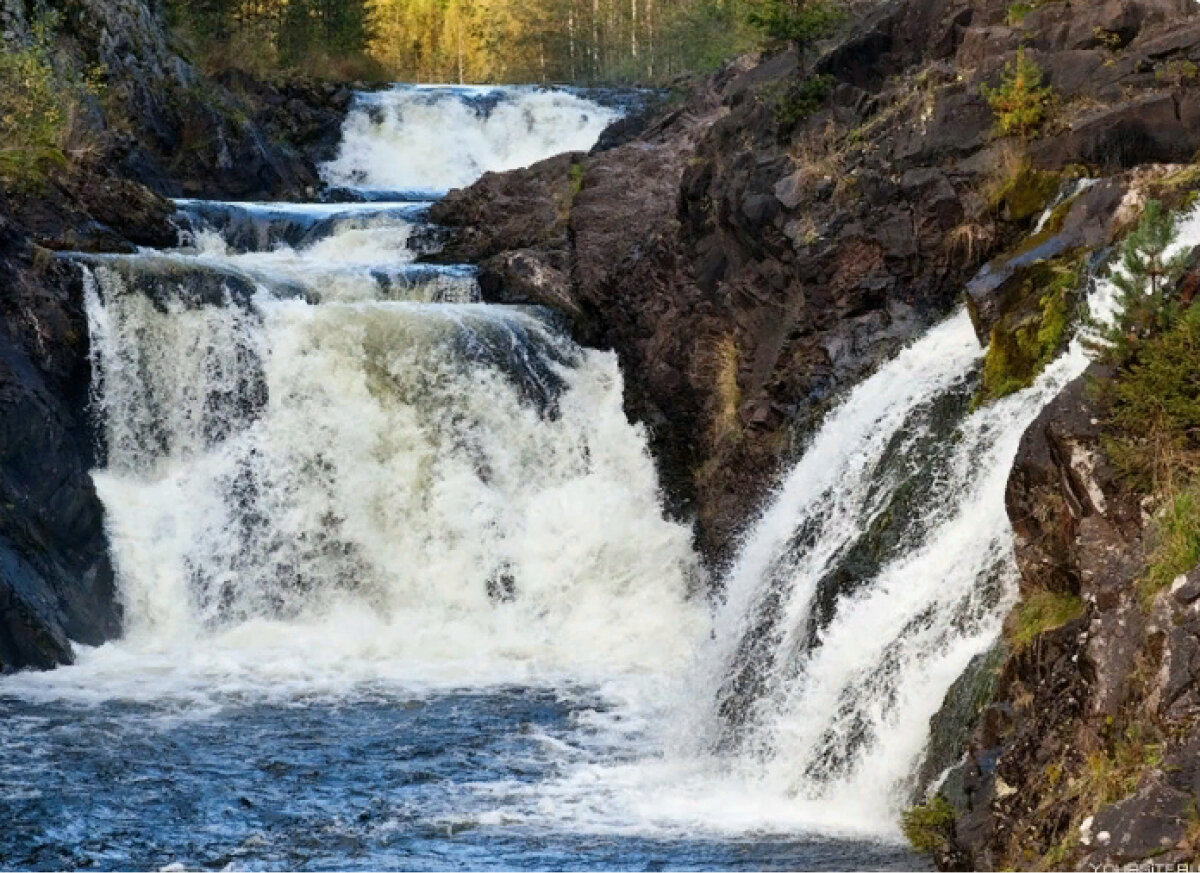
(421,140)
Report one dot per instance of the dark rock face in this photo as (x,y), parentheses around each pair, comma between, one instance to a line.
(164,130)
(56,582)
(1086,755)
(170,128)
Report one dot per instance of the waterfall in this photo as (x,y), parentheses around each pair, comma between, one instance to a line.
(323,459)
(330,472)
(456,481)
(880,568)
(857,612)
(422,140)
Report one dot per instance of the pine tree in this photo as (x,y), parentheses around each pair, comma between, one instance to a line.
(1021,101)
(1145,284)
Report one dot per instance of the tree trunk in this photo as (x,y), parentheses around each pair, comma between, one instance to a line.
(633,46)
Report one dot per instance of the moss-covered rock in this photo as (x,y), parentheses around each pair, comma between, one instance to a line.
(1039,311)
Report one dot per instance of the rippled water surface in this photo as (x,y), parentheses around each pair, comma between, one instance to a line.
(443,781)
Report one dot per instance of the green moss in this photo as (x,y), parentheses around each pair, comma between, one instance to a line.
(1030,335)
(575,179)
(1026,193)
(1040,612)
(1017,13)
(1055,859)
(1177,190)
(929,826)
(1179,72)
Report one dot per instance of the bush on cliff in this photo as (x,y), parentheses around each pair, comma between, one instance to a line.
(39,107)
(1021,101)
(1146,305)
(799,21)
(928,826)
(1154,403)
(1175,540)
(31,119)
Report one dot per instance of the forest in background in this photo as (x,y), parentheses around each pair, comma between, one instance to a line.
(487,41)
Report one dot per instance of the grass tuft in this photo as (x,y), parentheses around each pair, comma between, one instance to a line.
(1040,612)
(928,826)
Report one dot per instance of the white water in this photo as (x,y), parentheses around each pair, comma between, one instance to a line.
(352,526)
(832,741)
(341,488)
(386,144)
(311,497)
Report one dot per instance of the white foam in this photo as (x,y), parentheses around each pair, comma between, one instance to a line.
(355,522)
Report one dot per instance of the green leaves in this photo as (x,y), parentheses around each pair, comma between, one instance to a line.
(32,118)
(799,21)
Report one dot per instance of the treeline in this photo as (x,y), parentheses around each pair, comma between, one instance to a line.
(583,41)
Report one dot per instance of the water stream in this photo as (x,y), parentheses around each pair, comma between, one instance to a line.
(400,592)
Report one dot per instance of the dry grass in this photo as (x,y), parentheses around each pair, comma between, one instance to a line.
(969,240)
(725,362)
(1011,162)
(819,154)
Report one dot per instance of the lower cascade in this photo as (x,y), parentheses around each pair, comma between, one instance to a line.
(338,484)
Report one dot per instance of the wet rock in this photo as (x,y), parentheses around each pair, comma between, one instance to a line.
(520,209)
(56,582)
(528,276)
(1085,221)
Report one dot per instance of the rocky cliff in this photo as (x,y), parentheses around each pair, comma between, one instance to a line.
(1086,754)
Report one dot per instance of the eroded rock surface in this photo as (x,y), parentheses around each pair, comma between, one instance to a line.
(1086,755)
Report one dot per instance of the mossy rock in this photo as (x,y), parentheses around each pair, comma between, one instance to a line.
(1026,193)
(1039,310)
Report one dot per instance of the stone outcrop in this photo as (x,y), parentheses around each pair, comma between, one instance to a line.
(1085,755)
(56,582)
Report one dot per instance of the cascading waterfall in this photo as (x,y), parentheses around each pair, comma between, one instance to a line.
(386,147)
(337,483)
(881,569)
(363,470)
